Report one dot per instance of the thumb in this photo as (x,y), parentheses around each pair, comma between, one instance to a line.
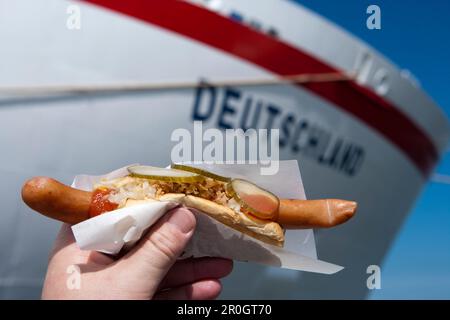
(158,250)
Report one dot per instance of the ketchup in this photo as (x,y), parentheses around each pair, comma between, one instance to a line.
(100,203)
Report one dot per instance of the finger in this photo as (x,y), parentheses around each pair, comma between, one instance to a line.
(65,237)
(65,249)
(65,246)
(193,270)
(158,250)
(201,290)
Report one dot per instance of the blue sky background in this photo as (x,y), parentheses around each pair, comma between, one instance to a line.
(415,36)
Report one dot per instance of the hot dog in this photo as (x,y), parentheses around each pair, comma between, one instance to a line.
(61,202)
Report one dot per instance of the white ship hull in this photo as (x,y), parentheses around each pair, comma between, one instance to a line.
(379,155)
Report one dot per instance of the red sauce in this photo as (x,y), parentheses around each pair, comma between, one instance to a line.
(100,203)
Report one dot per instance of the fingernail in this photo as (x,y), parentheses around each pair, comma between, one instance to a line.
(183,219)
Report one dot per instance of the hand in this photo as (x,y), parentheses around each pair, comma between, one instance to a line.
(149,271)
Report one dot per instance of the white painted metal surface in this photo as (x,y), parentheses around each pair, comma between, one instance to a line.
(66,135)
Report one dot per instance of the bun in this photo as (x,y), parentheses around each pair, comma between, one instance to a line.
(267,231)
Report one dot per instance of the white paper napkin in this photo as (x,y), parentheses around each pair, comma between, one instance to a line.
(121,228)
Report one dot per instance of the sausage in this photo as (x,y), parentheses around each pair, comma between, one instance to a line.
(324,213)
(61,202)
(56,200)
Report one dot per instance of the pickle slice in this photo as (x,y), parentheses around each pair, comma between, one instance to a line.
(200,172)
(259,202)
(164,174)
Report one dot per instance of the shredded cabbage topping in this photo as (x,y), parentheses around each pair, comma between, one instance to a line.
(141,189)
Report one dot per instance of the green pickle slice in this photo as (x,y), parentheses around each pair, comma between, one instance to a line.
(200,172)
(164,174)
(259,202)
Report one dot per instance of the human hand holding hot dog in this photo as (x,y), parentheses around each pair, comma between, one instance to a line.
(149,270)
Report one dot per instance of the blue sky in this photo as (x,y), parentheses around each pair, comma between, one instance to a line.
(414,36)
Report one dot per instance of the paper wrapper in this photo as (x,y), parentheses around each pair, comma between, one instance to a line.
(120,229)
